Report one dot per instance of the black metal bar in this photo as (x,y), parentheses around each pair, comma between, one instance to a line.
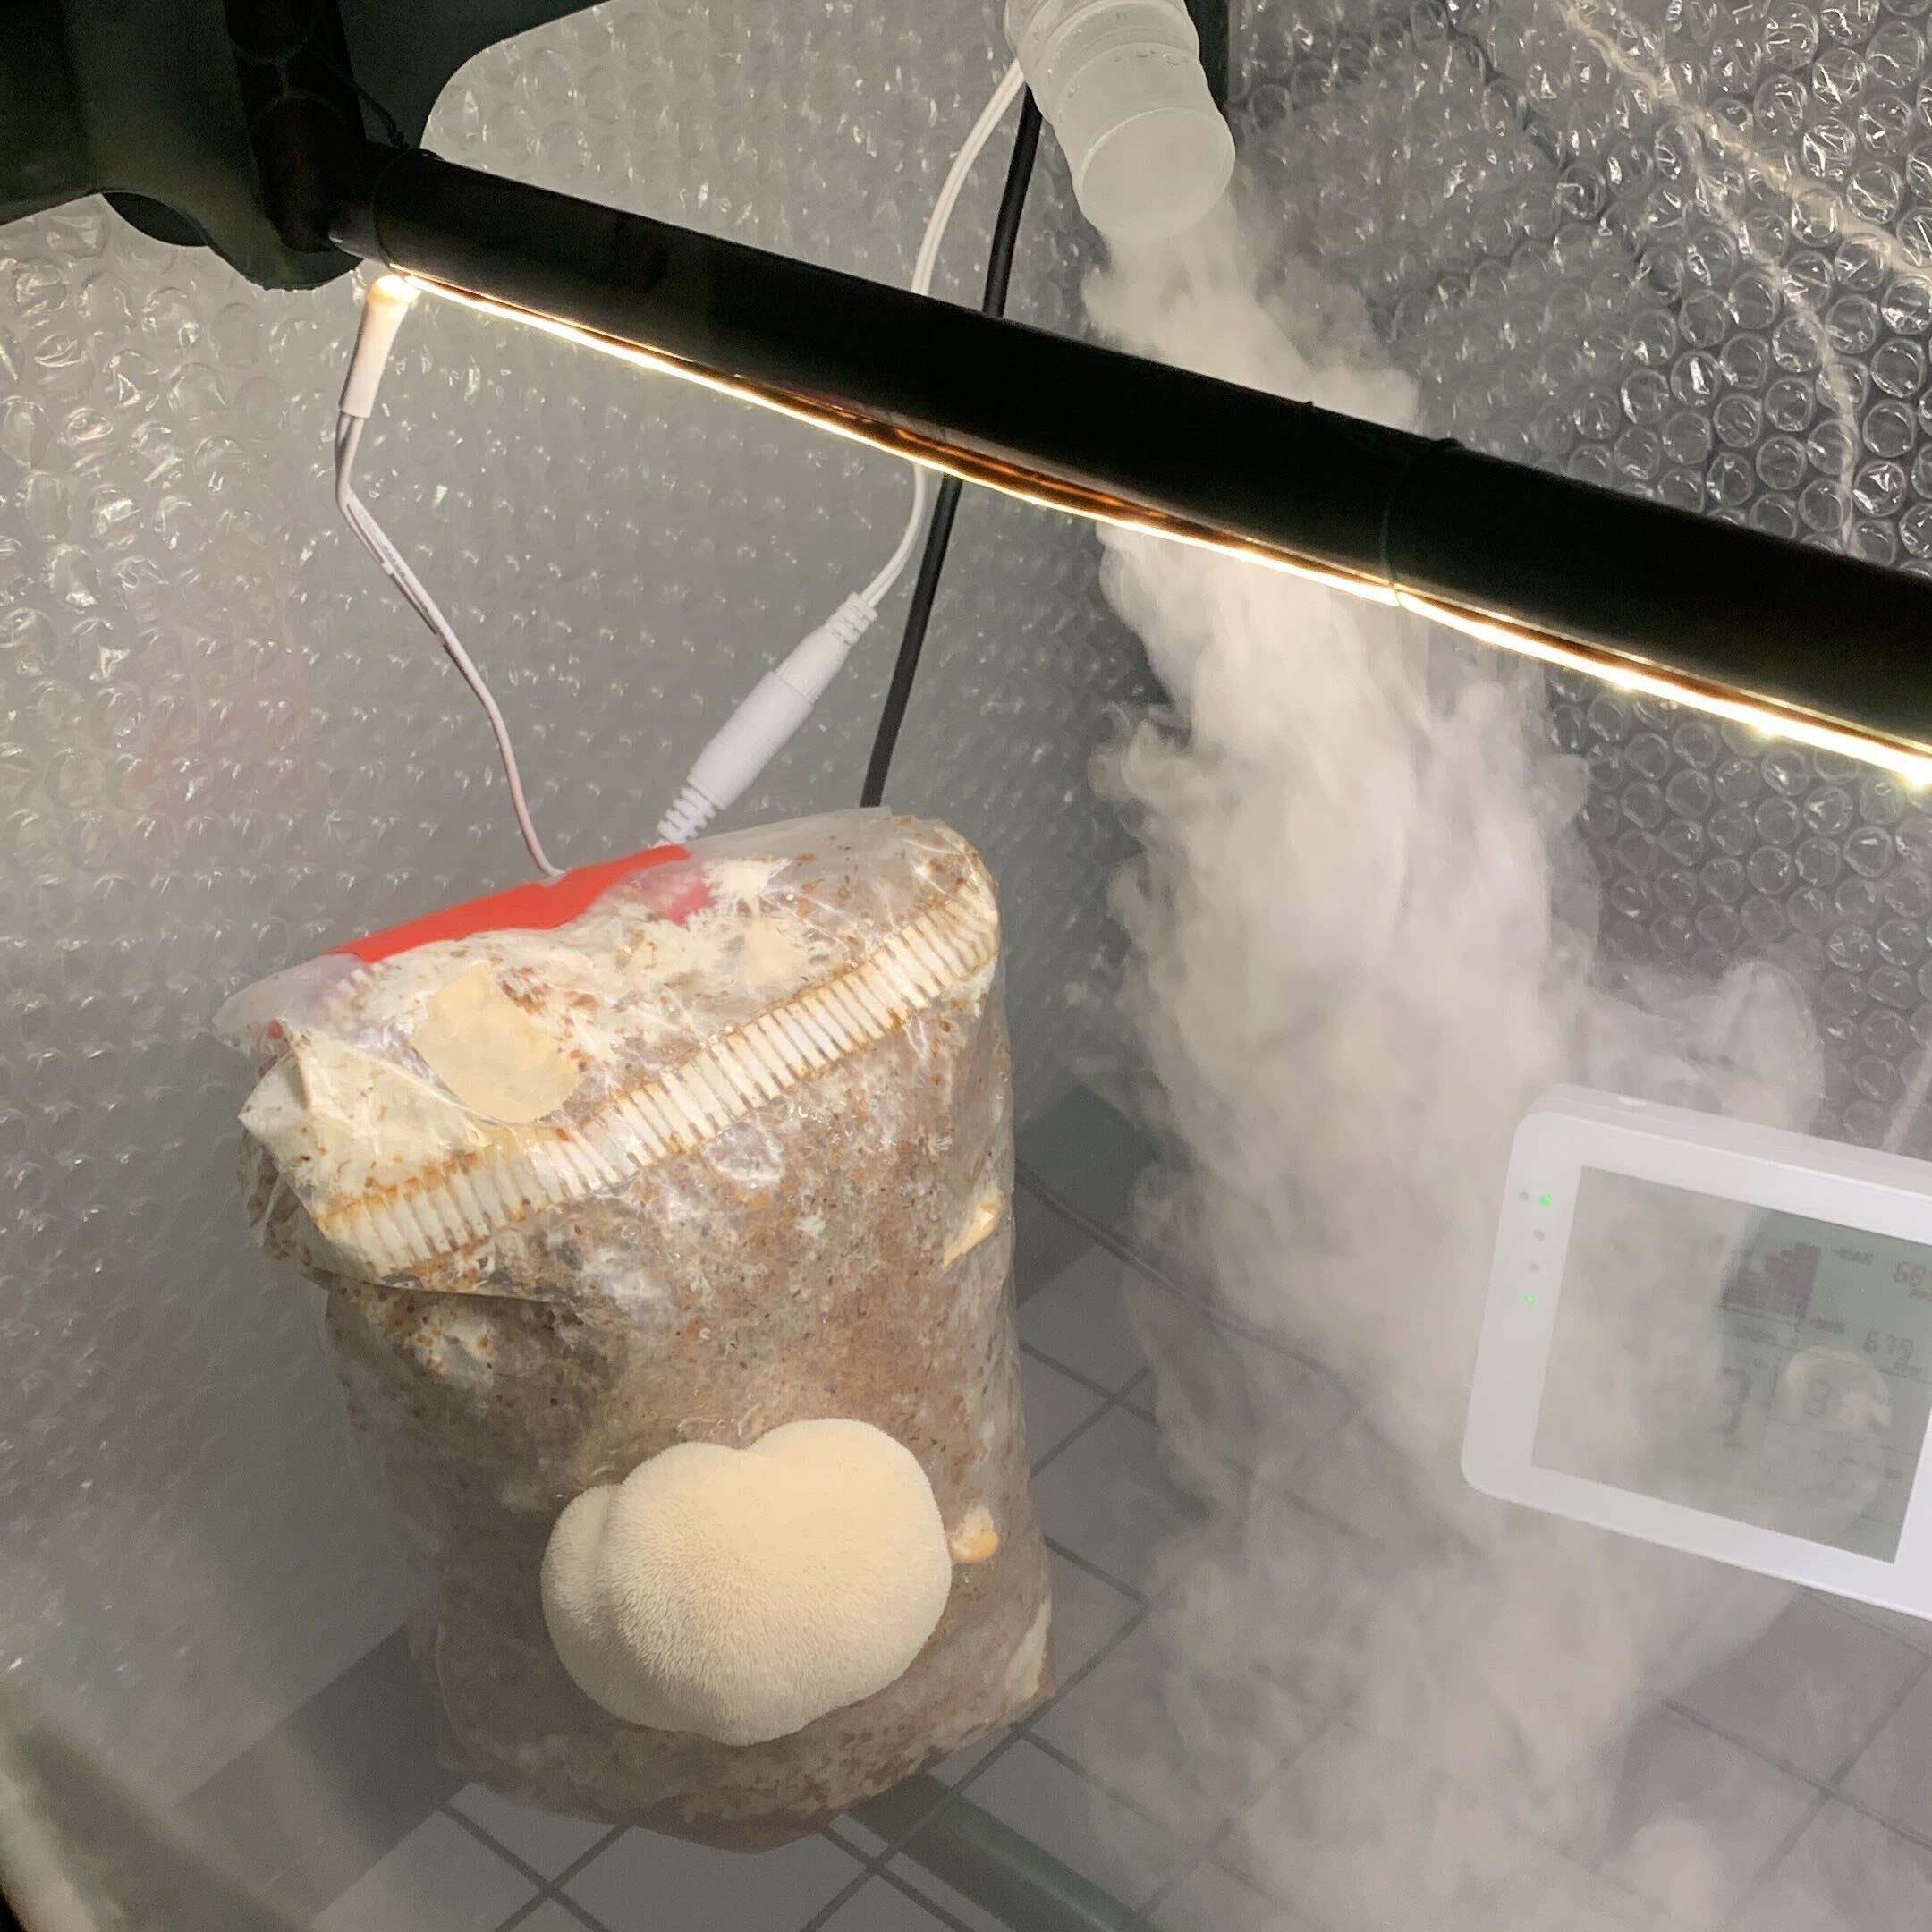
(292,63)
(1107,434)
(1001,1870)
(45,156)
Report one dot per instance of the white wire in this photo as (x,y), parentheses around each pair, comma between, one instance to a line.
(376,540)
(925,266)
(927,262)
(394,565)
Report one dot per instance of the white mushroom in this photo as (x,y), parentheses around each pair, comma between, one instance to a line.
(742,1593)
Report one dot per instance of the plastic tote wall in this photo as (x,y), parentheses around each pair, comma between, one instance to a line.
(227,746)
(1686,248)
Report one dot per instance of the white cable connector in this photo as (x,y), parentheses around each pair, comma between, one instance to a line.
(764,724)
(389,299)
(781,700)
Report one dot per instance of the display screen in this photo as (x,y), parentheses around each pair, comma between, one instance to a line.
(1757,1365)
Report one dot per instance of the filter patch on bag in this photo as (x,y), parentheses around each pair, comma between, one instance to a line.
(490,1054)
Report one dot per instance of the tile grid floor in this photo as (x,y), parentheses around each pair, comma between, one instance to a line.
(1836,1767)
(553,1908)
(1841,1790)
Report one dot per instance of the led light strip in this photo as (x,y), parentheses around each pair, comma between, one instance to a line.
(987,473)
(1906,759)
(1909,763)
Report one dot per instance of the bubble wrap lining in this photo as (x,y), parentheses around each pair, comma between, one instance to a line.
(1681,248)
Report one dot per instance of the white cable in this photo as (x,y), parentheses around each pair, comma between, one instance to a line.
(764,724)
(761,726)
(396,568)
(382,315)
(926,263)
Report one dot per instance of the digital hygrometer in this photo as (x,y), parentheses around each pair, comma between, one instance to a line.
(1716,1336)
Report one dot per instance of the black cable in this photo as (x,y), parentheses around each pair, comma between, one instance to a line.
(946,502)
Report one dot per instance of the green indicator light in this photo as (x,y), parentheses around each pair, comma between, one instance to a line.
(1546,1201)
(1529,1301)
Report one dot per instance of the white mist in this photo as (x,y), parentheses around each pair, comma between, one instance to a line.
(1362,941)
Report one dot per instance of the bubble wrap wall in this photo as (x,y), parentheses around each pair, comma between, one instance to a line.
(226,746)
(1681,247)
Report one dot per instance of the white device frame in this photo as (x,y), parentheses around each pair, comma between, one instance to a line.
(1571,1129)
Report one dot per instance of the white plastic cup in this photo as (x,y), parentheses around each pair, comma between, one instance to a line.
(1121,84)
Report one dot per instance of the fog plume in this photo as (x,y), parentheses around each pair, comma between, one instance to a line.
(1363,940)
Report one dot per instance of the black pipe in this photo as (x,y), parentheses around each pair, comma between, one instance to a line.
(1108,434)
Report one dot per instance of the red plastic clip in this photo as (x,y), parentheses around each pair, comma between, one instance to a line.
(544,906)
